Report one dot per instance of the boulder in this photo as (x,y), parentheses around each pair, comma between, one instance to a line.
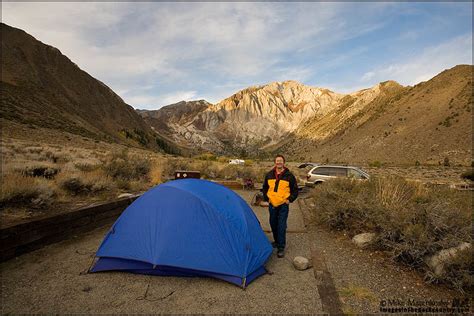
(444,257)
(363,240)
(301,263)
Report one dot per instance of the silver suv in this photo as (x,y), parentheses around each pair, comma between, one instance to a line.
(319,174)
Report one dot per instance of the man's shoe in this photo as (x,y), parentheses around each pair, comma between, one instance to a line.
(274,244)
(281,253)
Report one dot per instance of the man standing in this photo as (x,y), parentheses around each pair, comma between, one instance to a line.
(279,189)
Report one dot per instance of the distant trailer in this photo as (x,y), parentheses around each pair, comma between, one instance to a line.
(236,162)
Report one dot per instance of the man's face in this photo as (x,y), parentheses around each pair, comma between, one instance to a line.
(279,163)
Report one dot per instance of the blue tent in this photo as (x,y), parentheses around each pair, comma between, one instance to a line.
(187,227)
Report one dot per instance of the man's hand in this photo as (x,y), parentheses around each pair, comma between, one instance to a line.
(287,202)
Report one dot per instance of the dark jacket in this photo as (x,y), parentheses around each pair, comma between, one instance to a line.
(278,190)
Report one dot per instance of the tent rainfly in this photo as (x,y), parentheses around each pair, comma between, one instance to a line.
(188,227)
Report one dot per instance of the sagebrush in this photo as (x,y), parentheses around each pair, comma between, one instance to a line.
(412,221)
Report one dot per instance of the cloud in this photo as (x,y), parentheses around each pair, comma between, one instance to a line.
(367,76)
(427,64)
(148,101)
(214,49)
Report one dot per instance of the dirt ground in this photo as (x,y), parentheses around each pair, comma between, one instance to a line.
(365,279)
(49,280)
(342,279)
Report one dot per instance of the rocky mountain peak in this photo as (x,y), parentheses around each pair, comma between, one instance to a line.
(280,113)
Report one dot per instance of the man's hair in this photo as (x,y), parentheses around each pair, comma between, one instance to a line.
(281,156)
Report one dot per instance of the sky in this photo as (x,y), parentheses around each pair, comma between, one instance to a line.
(153,54)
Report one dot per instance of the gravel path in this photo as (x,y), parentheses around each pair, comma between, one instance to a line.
(49,280)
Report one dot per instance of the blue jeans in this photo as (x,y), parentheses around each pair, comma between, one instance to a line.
(278,218)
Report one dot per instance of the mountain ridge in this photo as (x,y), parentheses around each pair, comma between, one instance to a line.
(428,122)
(42,87)
(290,117)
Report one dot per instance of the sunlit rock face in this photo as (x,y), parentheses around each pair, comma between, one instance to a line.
(256,117)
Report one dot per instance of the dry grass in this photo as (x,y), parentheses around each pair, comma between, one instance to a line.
(216,169)
(81,183)
(63,174)
(20,190)
(358,292)
(35,176)
(124,167)
(412,221)
(156,171)
(468,175)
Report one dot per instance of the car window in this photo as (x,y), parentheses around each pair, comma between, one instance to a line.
(324,171)
(338,172)
(352,173)
(330,171)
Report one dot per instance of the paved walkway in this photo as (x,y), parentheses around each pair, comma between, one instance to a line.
(49,280)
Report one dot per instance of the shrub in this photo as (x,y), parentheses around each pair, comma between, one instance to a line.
(223,159)
(137,135)
(101,186)
(446,162)
(412,222)
(123,184)
(468,175)
(207,156)
(242,172)
(173,164)
(75,186)
(375,164)
(85,184)
(208,169)
(39,171)
(213,169)
(35,150)
(229,172)
(156,173)
(127,168)
(248,162)
(54,157)
(18,190)
(167,146)
(86,167)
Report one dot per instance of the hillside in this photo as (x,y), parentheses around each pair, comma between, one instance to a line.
(388,122)
(43,92)
(42,88)
(249,121)
(428,123)
(170,118)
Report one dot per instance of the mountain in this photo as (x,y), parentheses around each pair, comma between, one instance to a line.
(428,123)
(388,122)
(40,87)
(168,119)
(251,119)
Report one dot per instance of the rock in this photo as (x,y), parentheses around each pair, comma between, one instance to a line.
(263,203)
(363,240)
(124,195)
(301,263)
(444,257)
(257,114)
